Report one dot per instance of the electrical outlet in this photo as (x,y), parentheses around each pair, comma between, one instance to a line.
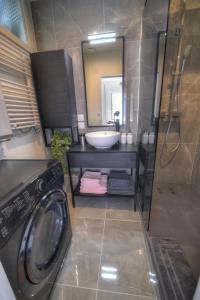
(81,125)
(80,118)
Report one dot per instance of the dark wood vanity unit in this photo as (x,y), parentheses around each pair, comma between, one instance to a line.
(147,158)
(54,83)
(117,157)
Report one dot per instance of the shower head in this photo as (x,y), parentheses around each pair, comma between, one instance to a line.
(187,51)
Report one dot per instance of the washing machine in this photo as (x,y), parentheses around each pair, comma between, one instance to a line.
(35,229)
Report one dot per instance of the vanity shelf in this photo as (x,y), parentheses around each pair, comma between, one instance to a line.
(78,193)
(119,156)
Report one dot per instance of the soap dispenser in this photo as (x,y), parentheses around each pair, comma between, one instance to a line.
(151,138)
(145,138)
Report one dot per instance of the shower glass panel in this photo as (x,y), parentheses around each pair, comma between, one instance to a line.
(175,211)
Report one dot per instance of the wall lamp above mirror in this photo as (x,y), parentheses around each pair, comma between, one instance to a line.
(103,67)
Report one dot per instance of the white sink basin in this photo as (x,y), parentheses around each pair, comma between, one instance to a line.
(102,139)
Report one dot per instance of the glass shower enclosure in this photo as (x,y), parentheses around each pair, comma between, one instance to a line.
(174,226)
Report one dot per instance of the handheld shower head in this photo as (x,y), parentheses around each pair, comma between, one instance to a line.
(187,51)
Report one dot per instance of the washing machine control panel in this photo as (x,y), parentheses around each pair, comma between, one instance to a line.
(19,207)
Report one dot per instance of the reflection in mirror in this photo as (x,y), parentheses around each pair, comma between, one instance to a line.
(104,80)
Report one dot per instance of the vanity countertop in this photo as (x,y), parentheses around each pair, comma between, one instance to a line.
(117,148)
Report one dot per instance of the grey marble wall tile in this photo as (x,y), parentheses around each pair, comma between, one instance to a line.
(147,83)
(192,65)
(146,106)
(182,165)
(68,24)
(190,118)
(196,169)
(149,29)
(148,57)
(121,13)
(133,31)
(132,63)
(132,86)
(76,56)
(65,24)
(191,22)
(78,19)
(68,44)
(43,23)
(132,100)
(132,81)
(134,115)
(154,18)
(145,121)
(193,4)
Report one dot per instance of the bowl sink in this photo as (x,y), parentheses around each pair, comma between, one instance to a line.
(102,139)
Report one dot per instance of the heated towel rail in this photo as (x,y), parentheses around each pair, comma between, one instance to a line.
(16,83)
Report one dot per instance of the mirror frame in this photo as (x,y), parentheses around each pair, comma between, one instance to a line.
(123,88)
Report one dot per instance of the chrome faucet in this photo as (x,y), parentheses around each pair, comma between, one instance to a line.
(116,124)
(116,121)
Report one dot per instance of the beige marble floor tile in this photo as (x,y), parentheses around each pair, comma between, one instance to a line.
(125,273)
(116,296)
(80,269)
(86,235)
(88,212)
(122,237)
(62,292)
(122,214)
(92,208)
(116,203)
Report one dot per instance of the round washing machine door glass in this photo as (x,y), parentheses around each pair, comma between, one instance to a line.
(44,237)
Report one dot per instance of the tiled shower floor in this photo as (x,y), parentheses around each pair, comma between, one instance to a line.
(107,259)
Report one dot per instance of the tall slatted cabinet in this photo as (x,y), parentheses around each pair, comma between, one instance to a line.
(54,82)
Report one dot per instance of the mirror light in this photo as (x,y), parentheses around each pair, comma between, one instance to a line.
(102,41)
(109,276)
(101,36)
(108,269)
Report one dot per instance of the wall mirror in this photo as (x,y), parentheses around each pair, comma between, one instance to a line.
(103,67)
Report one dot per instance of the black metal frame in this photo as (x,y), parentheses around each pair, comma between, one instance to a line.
(154,120)
(123,88)
(76,191)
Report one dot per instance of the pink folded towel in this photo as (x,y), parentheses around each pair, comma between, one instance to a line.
(90,174)
(93,183)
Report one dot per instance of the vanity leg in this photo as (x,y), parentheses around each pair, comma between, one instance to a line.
(135,202)
(136,181)
(70,181)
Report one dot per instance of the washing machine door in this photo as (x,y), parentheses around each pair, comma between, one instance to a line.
(44,236)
